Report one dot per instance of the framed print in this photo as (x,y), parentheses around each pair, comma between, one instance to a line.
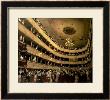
(55,50)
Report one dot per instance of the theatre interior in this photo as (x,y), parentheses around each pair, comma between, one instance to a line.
(55,50)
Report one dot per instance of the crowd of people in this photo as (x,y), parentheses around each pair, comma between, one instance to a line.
(54,76)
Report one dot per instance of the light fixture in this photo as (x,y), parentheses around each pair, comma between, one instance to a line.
(69,43)
(40,53)
(50,58)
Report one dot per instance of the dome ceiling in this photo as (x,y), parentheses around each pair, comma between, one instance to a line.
(68,33)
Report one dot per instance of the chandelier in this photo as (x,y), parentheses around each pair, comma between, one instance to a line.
(69,43)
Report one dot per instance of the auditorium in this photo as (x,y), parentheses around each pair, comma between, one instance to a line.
(55,50)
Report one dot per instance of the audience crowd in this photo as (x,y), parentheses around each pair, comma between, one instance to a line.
(54,76)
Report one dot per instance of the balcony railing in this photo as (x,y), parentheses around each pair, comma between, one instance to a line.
(34,65)
(29,34)
(35,52)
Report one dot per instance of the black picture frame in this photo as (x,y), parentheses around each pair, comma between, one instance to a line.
(57,4)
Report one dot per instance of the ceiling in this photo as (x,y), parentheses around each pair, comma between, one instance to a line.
(66,30)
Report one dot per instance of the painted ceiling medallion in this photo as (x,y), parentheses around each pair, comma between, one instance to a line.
(69,30)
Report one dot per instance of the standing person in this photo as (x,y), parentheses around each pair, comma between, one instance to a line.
(57,76)
(44,76)
(28,76)
(76,77)
(39,75)
(19,78)
(87,75)
(53,76)
(49,76)
(35,77)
